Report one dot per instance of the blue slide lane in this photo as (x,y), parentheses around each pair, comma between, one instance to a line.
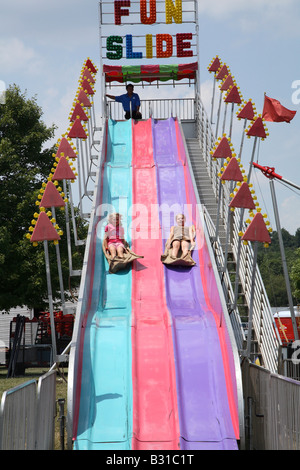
(105,416)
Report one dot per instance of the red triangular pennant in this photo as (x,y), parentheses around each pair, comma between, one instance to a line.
(223,150)
(89,64)
(233,96)
(77,130)
(66,149)
(78,113)
(243,198)
(228,82)
(83,99)
(87,87)
(86,75)
(51,197)
(216,64)
(232,171)
(257,129)
(63,171)
(247,112)
(44,230)
(223,71)
(257,230)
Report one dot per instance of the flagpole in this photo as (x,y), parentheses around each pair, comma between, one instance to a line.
(283,258)
(270,173)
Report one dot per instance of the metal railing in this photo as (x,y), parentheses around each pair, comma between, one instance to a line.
(27,415)
(157,109)
(272,409)
(266,332)
(226,284)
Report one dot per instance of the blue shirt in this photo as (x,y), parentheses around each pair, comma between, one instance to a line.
(125,100)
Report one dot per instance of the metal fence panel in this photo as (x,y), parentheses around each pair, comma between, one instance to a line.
(46,411)
(18,417)
(272,408)
(27,415)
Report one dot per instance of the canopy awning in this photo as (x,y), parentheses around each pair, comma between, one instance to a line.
(149,73)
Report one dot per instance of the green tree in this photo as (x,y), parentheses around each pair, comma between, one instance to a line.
(270,265)
(295,275)
(25,164)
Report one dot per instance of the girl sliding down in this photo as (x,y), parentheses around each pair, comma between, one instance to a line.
(115,247)
(180,243)
(114,236)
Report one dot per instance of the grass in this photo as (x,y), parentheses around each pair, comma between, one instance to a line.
(35,373)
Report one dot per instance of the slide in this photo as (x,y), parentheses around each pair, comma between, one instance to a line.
(152,364)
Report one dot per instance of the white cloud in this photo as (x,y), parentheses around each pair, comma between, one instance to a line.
(255,15)
(226,8)
(16,56)
(290,213)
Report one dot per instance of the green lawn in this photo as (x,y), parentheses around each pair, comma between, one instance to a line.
(35,373)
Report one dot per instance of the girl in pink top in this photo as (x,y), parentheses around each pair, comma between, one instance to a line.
(114,236)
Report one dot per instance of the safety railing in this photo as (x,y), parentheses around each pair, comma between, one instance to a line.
(266,332)
(27,415)
(272,409)
(157,108)
(226,284)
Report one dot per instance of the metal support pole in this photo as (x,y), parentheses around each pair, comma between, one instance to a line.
(243,138)
(219,113)
(213,99)
(77,242)
(79,178)
(219,207)
(231,120)
(60,276)
(50,299)
(81,155)
(284,263)
(69,246)
(225,116)
(250,318)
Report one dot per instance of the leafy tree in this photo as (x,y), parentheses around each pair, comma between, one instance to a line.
(270,265)
(24,165)
(295,275)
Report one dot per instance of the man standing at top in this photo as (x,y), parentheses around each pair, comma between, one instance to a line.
(129,100)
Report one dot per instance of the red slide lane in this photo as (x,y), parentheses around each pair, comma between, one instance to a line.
(155,412)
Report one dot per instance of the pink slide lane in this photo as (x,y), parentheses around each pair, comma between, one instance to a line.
(155,414)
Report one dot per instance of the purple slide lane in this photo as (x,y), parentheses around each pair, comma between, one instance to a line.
(205,414)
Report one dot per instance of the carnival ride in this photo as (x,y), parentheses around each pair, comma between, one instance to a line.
(154,365)
(155,358)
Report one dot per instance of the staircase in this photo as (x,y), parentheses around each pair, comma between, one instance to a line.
(204,186)
(209,200)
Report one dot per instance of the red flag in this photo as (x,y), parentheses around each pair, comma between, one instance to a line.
(274,111)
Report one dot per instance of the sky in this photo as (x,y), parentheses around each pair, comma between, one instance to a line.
(43,46)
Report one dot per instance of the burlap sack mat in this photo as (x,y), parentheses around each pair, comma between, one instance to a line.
(186,260)
(118,263)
